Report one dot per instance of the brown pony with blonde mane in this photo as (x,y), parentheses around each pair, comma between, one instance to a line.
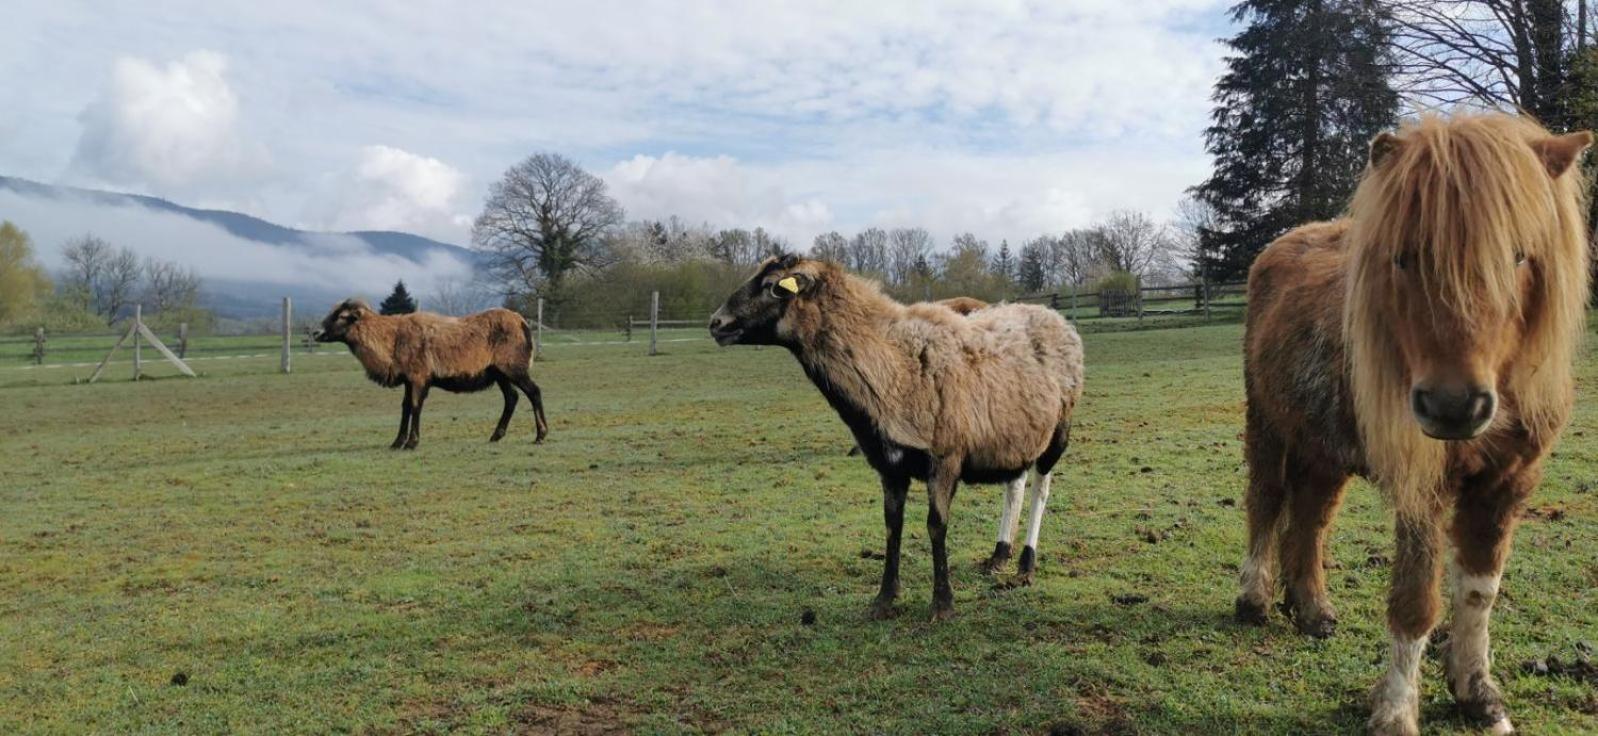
(1425,342)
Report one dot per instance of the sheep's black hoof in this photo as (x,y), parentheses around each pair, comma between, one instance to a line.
(1019,580)
(409,445)
(497,436)
(882,610)
(942,612)
(539,440)
(1251,613)
(995,561)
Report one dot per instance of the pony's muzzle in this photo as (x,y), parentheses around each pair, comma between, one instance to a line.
(1446,414)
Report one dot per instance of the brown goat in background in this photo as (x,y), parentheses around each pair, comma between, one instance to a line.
(422,350)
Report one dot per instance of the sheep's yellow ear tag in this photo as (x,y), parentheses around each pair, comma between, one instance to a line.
(791,284)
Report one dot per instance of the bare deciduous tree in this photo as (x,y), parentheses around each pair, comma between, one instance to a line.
(830,246)
(545,219)
(908,251)
(169,286)
(1504,53)
(868,252)
(104,277)
(1132,242)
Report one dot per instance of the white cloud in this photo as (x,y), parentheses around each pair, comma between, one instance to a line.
(392,189)
(717,190)
(166,128)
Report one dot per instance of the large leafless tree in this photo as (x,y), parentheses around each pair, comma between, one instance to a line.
(1504,53)
(909,251)
(169,286)
(104,277)
(544,220)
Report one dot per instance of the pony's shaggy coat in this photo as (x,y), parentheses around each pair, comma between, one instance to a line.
(421,350)
(1462,262)
(929,394)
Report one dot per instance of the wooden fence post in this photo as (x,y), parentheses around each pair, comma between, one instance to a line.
(538,336)
(138,319)
(1073,302)
(654,320)
(38,346)
(288,321)
(183,340)
(629,328)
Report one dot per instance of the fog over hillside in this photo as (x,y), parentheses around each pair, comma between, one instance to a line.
(247,263)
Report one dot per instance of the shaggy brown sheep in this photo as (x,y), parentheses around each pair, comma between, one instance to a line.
(422,350)
(929,394)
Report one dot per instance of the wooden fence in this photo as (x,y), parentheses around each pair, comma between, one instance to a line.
(1201,299)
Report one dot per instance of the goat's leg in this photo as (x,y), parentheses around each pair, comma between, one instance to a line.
(418,394)
(1009,519)
(941,485)
(1485,516)
(1412,608)
(894,490)
(535,396)
(510,408)
(405,420)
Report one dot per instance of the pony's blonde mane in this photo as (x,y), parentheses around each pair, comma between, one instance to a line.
(1459,197)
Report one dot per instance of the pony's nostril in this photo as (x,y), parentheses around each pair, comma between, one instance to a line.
(1481,407)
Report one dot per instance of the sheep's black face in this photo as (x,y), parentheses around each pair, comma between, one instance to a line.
(336,326)
(752,314)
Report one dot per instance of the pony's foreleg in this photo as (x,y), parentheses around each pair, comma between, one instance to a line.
(1009,520)
(1484,523)
(1412,609)
(1316,491)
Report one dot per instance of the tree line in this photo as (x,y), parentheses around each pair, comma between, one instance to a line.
(549,230)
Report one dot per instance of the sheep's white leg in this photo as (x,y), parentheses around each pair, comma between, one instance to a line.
(1029,553)
(1469,661)
(1009,519)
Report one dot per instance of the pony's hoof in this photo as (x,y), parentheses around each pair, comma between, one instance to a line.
(882,610)
(1482,702)
(1395,726)
(1319,627)
(1250,613)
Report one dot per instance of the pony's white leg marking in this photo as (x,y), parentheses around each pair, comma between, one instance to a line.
(1395,703)
(1040,498)
(1014,491)
(1258,574)
(1470,647)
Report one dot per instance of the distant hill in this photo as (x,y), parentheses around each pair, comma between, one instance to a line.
(237,297)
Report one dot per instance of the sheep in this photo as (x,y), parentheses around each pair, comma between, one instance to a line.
(422,350)
(963,305)
(929,394)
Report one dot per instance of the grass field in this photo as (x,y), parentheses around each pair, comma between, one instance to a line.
(242,553)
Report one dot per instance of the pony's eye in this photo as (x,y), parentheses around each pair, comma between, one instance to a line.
(1520,258)
(1401,261)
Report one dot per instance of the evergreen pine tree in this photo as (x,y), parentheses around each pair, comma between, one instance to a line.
(1004,263)
(1305,90)
(398,302)
(1033,269)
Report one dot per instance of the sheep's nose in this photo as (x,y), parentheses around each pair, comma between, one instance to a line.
(718,322)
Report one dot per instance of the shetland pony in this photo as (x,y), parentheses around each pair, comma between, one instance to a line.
(1424,342)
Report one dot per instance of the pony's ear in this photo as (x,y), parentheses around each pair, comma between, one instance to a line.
(1558,152)
(1382,146)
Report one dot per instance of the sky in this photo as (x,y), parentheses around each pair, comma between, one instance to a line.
(1004,118)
